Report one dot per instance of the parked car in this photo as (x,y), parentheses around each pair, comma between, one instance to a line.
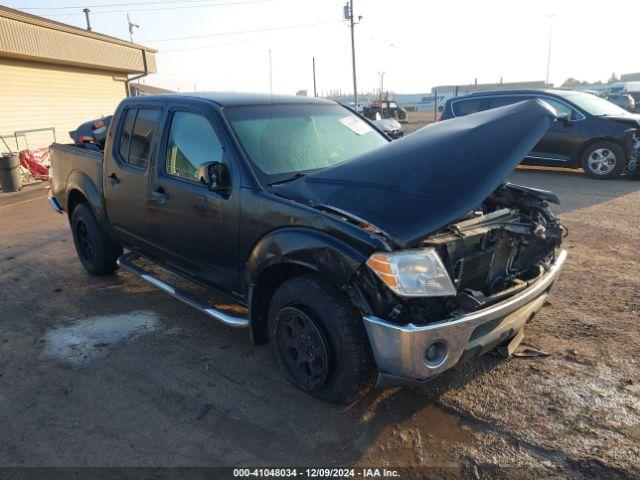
(386,109)
(390,126)
(623,100)
(596,135)
(354,256)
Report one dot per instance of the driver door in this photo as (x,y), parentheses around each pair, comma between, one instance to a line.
(196,228)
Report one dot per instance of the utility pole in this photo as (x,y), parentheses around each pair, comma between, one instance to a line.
(381,84)
(550,16)
(315,94)
(86,14)
(348,15)
(131,27)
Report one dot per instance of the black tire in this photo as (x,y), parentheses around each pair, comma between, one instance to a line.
(604,160)
(95,249)
(334,331)
(632,170)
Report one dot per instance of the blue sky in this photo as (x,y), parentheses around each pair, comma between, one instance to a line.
(417,43)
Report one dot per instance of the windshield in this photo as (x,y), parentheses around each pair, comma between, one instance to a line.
(284,140)
(594,105)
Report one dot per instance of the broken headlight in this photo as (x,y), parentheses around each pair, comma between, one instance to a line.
(413,273)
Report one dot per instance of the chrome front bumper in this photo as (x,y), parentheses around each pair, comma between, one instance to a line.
(401,350)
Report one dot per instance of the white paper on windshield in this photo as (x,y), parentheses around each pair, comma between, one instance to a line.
(357,125)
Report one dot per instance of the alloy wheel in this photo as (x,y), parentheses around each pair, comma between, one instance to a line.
(601,161)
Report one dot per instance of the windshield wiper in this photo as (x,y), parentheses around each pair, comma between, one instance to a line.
(288,179)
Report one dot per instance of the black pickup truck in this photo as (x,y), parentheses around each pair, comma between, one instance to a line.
(356,257)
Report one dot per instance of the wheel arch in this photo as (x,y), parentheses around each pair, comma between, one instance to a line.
(290,252)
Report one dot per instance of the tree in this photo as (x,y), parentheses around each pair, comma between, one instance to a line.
(613,78)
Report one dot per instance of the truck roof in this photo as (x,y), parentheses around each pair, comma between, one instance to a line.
(232,99)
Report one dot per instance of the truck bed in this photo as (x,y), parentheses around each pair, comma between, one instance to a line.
(71,164)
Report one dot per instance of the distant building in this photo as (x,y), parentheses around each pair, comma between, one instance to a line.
(630,77)
(53,75)
(457,90)
(141,90)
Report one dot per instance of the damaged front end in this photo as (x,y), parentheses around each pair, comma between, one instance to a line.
(469,259)
(504,246)
(502,259)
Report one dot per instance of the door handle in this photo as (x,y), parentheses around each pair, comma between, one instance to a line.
(159,196)
(113,179)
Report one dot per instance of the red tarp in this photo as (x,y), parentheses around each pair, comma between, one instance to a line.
(36,161)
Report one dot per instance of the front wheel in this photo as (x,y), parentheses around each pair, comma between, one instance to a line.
(320,340)
(604,160)
(632,170)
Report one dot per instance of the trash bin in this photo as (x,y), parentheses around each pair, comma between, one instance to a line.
(10,177)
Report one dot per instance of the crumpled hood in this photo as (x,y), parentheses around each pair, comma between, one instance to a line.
(414,186)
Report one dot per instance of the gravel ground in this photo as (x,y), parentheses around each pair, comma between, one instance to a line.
(111,372)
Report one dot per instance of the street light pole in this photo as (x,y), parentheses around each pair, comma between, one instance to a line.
(550,16)
(381,84)
(315,92)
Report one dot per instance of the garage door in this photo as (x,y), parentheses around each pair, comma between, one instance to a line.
(38,95)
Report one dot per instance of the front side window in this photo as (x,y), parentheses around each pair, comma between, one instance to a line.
(192,142)
(593,105)
(282,140)
(561,108)
(136,136)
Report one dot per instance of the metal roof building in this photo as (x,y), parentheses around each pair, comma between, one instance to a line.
(55,76)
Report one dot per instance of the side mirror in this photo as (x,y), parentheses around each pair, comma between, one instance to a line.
(215,176)
(565,118)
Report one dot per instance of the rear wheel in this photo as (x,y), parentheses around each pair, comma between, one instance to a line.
(96,250)
(320,340)
(604,160)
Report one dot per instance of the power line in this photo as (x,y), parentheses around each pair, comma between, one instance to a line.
(211,45)
(163,8)
(111,5)
(268,29)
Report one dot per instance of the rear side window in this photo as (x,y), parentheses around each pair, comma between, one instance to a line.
(465,107)
(137,134)
(125,135)
(496,102)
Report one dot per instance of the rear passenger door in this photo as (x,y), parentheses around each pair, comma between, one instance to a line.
(126,168)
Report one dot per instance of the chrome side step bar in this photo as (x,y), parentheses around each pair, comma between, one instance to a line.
(126,262)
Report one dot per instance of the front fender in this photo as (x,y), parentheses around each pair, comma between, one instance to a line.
(292,251)
(305,247)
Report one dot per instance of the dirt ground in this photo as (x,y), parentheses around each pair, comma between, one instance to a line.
(112,372)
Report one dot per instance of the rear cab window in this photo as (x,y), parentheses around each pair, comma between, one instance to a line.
(136,136)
